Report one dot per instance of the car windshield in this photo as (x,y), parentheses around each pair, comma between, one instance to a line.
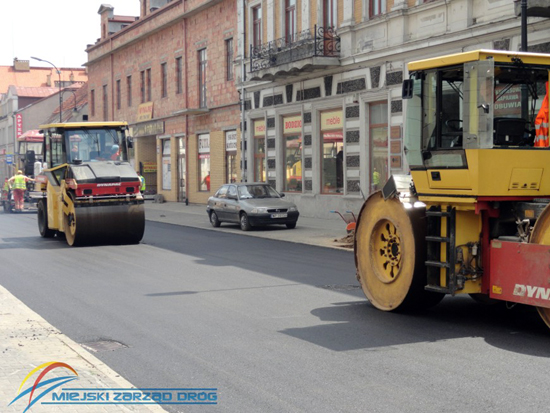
(257,191)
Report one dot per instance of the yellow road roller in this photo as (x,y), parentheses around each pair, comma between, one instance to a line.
(475,219)
(90,192)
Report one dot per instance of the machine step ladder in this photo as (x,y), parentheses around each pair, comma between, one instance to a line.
(435,239)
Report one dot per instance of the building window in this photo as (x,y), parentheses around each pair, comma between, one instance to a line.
(378,138)
(105,103)
(204,161)
(142,86)
(292,137)
(202,78)
(231,156)
(92,102)
(329,13)
(179,72)
(229,59)
(377,7)
(129,90)
(164,80)
(149,97)
(257,26)
(259,151)
(290,20)
(332,170)
(118,97)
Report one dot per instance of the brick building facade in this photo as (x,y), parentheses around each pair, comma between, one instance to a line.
(323,85)
(169,74)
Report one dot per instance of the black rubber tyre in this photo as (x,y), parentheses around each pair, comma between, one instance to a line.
(214,220)
(245,223)
(291,225)
(42,213)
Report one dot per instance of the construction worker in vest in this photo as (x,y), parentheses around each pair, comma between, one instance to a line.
(541,123)
(19,185)
(142,183)
(375,179)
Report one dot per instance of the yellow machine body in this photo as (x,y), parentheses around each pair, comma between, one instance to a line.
(480,181)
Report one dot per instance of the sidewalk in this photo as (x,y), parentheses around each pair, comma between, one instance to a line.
(27,341)
(313,231)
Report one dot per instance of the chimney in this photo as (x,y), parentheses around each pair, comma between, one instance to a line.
(21,65)
(106,11)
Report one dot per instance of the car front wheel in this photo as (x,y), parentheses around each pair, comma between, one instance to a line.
(245,223)
(291,225)
(214,220)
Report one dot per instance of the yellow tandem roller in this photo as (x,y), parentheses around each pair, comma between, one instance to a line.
(91,192)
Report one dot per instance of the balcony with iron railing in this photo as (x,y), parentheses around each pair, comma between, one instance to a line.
(304,51)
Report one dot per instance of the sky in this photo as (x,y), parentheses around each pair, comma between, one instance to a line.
(55,30)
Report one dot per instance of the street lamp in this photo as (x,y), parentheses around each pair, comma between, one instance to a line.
(75,110)
(60,98)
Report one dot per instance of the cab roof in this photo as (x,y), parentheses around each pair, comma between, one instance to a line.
(504,56)
(87,125)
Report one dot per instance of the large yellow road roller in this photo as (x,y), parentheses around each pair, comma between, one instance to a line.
(91,193)
(476,219)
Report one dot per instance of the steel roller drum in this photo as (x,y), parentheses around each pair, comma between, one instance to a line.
(102,224)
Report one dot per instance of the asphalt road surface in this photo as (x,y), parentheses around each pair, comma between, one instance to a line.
(274,326)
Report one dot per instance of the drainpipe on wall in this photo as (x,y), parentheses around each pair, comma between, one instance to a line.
(186,107)
(243,95)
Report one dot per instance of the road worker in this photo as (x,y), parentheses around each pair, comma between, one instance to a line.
(18,183)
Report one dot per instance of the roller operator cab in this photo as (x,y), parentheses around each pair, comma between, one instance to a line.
(90,191)
(477,221)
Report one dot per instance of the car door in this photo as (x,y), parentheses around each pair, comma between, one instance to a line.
(232,204)
(218,204)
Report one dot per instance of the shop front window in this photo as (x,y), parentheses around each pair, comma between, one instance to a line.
(332,152)
(166,165)
(204,162)
(378,133)
(333,163)
(231,156)
(259,151)
(259,159)
(293,163)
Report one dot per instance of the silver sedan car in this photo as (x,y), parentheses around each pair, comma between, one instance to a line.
(250,205)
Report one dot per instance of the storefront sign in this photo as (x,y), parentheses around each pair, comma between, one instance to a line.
(149,167)
(147,129)
(9,159)
(259,128)
(331,120)
(231,141)
(292,124)
(18,125)
(145,112)
(204,143)
(333,136)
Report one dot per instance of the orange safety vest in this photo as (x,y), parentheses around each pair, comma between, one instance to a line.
(541,123)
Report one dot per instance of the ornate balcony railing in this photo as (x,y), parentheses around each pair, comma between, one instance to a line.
(322,41)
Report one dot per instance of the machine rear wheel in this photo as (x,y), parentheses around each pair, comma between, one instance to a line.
(541,235)
(42,213)
(390,251)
